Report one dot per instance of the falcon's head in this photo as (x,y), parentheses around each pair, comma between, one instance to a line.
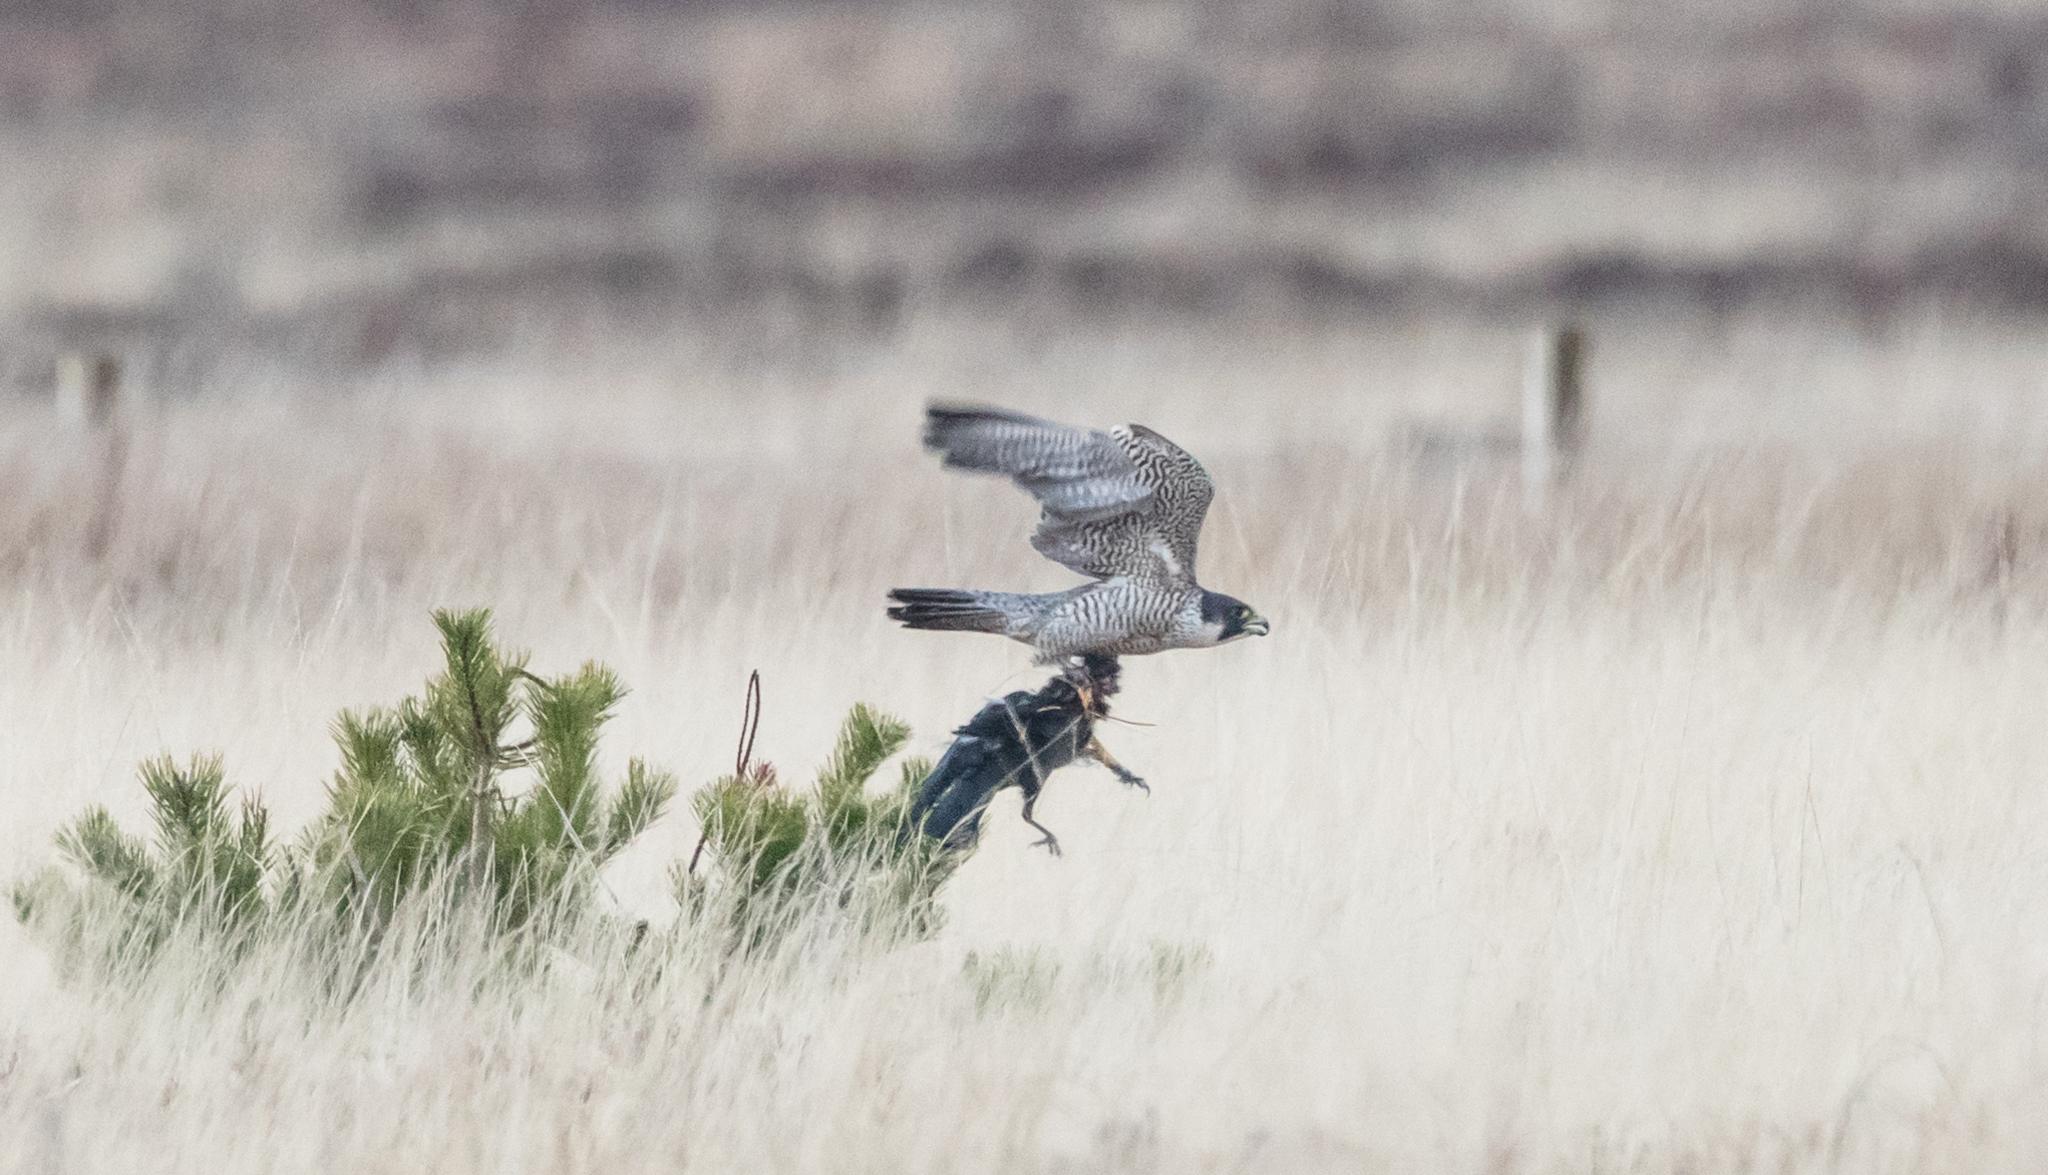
(1228,618)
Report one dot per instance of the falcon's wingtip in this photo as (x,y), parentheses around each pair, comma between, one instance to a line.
(961,412)
(943,420)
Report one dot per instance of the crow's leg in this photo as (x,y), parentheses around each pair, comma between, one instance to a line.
(1051,842)
(1096,751)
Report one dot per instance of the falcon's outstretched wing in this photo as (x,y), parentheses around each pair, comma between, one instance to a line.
(1127,502)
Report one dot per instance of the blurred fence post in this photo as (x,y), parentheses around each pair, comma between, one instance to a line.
(1553,409)
(88,389)
(88,396)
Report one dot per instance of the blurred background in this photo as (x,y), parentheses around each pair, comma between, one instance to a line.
(341,186)
(1694,814)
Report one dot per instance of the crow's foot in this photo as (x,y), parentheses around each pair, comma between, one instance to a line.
(1051,842)
(1124,775)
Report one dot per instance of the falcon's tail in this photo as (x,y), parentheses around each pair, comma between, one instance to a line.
(953,610)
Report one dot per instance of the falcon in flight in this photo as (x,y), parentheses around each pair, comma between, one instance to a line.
(1123,507)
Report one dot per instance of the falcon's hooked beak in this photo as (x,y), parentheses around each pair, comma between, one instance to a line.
(1255,625)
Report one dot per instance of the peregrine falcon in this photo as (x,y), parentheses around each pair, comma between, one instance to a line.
(1123,507)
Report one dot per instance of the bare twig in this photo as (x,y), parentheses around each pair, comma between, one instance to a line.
(750,724)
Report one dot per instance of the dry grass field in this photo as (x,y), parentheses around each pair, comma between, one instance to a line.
(1695,826)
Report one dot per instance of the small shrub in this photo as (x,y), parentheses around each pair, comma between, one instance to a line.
(207,868)
(1175,966)
(423,786)
(773,853)
(1023,979)
(1011,978)
(426,806)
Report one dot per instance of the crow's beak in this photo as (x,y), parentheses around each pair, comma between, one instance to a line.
(1257,626)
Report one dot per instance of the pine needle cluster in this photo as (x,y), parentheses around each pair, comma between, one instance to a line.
(777,855)
(207,866)
(433,785)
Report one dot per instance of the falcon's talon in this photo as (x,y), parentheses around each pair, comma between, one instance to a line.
(1051,843)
